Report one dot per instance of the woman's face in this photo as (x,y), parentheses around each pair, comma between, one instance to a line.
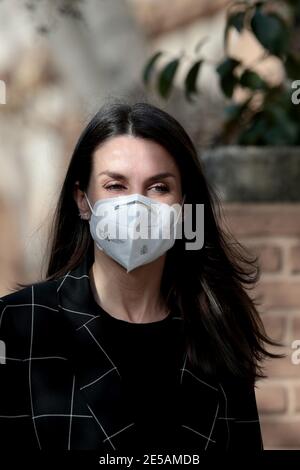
(126,165)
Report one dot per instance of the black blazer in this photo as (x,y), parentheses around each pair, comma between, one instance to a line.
(59,389)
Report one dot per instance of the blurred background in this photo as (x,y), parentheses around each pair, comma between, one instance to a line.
(61,60)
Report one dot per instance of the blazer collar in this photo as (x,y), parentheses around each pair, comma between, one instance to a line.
(98,377)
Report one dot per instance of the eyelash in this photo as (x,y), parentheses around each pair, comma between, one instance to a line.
(163,187)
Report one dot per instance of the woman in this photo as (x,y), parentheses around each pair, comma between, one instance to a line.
(130,347)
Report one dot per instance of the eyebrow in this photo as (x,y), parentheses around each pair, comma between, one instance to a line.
(119,176)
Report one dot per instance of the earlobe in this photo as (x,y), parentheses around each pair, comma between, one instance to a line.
(79,197)
(84,215)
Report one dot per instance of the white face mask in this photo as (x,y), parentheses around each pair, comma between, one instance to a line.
(134,229)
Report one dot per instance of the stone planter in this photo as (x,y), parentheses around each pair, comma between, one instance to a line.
(254,174)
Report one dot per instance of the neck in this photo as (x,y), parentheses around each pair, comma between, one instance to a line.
(133,296)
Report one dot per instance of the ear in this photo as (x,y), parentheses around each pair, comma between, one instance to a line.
(79,197)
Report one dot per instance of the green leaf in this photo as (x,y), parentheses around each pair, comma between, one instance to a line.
(283,128)
(190,83)
(254,133)
(227,66)
(274,125)
(234,111)
(252,80)
(227,78)
(149,66)
(236,21)
(166,78)
(228,85)
(271,31)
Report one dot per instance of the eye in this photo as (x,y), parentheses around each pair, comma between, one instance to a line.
(114,186)
(161,188)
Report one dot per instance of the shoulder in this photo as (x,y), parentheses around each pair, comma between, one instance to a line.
(17,308)
(239,398)
(236,386)
(42,289)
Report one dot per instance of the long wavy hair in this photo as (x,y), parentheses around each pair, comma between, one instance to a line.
(223,330)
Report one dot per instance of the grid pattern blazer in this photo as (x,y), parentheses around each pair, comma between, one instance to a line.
(59,389)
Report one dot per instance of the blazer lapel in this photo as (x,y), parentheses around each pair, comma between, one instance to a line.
(100,383)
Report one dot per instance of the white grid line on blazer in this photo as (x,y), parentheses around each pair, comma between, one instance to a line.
(71,411)
(118,432)
(226,417)
(183,368)
(49,415)
(33,358)
(61,415)
(213,425)
(73,277)
(86,323)
(99,378)
(197,432)
(78,313)
(103,430)
(25,305)
(197,378)
(29,367)
(15,416)
(102,349)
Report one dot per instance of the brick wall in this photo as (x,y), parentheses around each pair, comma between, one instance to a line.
(273,232)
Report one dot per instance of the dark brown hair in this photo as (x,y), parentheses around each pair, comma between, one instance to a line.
(223,329)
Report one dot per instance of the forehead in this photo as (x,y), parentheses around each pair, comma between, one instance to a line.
(125,152)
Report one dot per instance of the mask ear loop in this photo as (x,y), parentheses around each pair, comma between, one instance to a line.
(89,203)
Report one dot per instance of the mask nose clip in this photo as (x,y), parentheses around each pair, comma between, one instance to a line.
(130,203)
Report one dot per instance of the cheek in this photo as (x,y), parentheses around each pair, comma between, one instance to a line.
(173,198)
(178,192)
